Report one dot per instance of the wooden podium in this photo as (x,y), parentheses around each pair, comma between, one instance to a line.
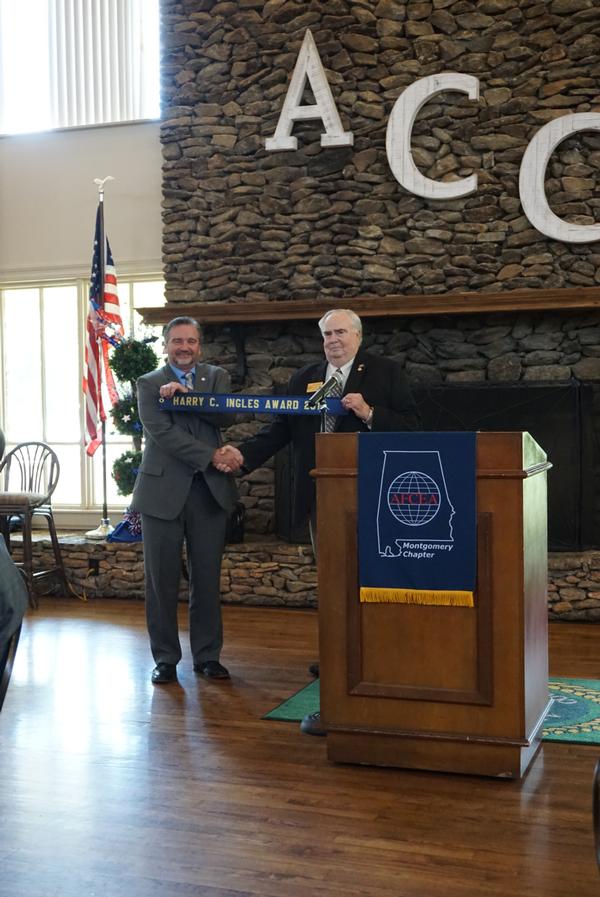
(453,689)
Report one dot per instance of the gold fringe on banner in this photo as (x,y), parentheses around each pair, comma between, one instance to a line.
(414,596)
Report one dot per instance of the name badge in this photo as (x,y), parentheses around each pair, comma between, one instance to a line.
(312,387)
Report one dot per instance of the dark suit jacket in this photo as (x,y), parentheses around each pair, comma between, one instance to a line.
(382,384)
(177,445)
(13,597)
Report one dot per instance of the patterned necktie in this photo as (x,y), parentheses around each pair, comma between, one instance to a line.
(189,379)
(330,419)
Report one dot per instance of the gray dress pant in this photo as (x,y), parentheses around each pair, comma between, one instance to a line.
(201,525)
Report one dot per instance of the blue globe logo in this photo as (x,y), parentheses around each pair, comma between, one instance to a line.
(414,498)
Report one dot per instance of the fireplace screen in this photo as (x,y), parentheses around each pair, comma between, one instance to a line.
(561,418)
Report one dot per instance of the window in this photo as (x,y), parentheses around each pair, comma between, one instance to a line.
(41,352)
(67,63)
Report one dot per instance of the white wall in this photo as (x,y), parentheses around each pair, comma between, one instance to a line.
(48,200)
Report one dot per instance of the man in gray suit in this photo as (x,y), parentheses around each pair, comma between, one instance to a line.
(182,496)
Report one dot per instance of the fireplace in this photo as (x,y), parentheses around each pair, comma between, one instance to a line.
(561,418)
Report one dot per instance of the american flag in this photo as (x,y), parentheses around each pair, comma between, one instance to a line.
(104,328)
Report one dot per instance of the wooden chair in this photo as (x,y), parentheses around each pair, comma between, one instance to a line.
(28,476)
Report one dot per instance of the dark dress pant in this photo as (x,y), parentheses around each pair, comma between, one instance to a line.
(201,525)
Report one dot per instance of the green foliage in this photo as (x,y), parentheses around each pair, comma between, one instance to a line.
(125,416)
(129,360)
(132,358)
(125,470)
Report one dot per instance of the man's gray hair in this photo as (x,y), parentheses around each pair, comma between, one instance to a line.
(355,321)
(176,322)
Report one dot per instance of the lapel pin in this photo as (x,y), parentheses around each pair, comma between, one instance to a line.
(360,368)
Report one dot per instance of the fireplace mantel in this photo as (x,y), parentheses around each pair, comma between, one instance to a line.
(573,299)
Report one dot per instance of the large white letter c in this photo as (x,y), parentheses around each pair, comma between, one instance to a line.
(399,131)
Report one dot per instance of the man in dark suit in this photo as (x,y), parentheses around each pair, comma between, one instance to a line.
(182,496)
(13,599)
(374,392)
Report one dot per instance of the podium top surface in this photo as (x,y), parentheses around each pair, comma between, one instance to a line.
(507,454)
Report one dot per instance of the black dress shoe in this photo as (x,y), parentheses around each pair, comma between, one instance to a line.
(314,669)
(311,725)
(164,672)
(212,669)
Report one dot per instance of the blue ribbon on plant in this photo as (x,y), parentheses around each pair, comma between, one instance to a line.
(133,519)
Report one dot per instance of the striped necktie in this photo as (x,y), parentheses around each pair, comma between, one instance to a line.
(330,419)
(189,379)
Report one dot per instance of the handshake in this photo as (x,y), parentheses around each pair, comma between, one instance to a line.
(227,459)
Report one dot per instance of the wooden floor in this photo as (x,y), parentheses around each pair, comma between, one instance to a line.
(110,786)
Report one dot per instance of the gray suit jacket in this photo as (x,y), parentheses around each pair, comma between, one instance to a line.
(178,444)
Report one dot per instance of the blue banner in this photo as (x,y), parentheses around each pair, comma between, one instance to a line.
(417,517)
(237,403)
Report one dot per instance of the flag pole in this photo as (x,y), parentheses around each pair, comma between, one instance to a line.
(104,529)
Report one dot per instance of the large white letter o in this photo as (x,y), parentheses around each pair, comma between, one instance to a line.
(533,172)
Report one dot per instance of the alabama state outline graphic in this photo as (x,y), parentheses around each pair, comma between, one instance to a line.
(413,501)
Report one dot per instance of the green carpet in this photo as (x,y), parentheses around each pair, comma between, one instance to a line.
(573,716)
(292,710)
(575,711)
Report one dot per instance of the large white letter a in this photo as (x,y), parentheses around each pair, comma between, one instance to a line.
(309,65)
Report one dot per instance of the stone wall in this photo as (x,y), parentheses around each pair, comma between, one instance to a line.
(496,349)
(241,223)
(276,575)
(574,586)
(256,573)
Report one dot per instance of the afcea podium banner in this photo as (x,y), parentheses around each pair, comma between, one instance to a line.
(417,518)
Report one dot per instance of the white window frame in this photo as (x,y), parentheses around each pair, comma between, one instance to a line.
(86,515)
(86,62)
